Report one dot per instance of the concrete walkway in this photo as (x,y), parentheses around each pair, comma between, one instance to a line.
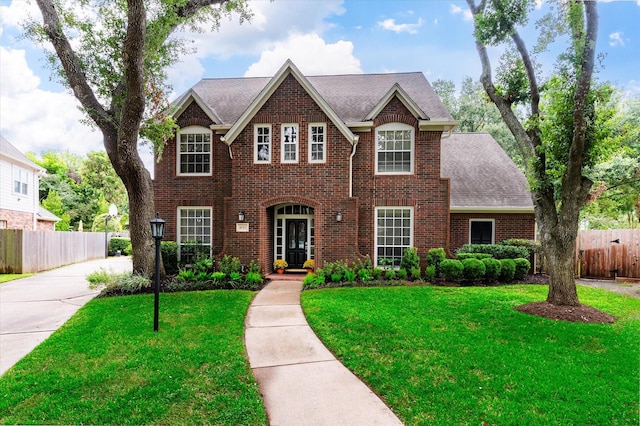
(34,307)
(301,382)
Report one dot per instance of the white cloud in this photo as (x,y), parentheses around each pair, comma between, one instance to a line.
(390,24)
(457,10)
(310,54)
(16,75)
(616,39)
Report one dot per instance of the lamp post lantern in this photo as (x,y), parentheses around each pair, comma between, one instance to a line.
(157,232)
(113,212)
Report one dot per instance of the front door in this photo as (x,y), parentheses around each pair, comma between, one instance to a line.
(296,252)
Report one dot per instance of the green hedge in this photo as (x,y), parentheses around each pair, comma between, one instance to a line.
(498,251)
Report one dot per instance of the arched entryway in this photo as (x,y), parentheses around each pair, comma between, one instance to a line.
(294,233)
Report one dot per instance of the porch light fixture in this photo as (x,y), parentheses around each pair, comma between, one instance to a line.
(157,232)
(240,216)
(338,216)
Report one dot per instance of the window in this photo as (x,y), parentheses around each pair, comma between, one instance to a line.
(194,151)
(394,233)
(194,232)
(20,181)
(317,134)
(289,143)
(394,149)
(262,143)
(3,224)
(481,231)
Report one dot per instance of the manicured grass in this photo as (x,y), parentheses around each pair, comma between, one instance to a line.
(445,356)
(10,277)
(107,366)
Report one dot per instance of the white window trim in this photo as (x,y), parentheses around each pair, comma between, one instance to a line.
(22,173)
(282,160)
(194,130)
(375,227)
(493,228)
(395,126)
(256,160)
(178,227)
(324,143)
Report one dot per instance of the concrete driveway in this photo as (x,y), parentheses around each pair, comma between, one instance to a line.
(32,308)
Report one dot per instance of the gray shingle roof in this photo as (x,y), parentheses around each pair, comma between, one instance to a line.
(482,174)
(351,96)
(7,149)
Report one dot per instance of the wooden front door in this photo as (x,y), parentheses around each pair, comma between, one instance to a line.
(296,251)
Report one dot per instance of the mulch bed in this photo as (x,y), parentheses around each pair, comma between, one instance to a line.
(580,313)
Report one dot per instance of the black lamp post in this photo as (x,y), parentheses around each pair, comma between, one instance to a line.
(157,232)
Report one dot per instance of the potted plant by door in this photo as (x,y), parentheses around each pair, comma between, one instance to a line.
(309,265)
(280,265)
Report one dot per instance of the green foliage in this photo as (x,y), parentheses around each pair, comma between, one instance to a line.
(126,283)
(229,264)
(522,268)
(99,277)
(498,251)
(463,256)
(254,279)
(492,268)
(452,269)
(118,244)
(218,276)
(364,274)
(435,256)
(113,225)
(169,253)
(349,275)
(390,274)
(410,258)
(430,273)
(186,275)
(416,273)
(507,269)
(473,269)
(402,274)
(532,246)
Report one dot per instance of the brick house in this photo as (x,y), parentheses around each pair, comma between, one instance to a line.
(19,192)
(324,167)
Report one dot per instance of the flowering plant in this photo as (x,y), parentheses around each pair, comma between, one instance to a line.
(280,264)
(309,264)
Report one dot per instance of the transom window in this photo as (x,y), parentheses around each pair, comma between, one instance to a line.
(20,181)
(194,232)
(262,143)
(394,233)
(394,149)
(317,138)
(481,231)
(289,143)
(194,151)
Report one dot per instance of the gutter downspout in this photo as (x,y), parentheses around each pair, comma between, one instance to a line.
(353,153)
(223,139)
(448,134)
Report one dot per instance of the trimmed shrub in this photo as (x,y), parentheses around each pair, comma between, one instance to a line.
(118,244)
(452,269)
(430,273)
(376,273)
(522,268)
(390,274)
(499,251)
(416,273)
(410,259)
(435,256)
(473,268)
(492,268)
(402,274)
(480,256)
(169,253)
(507,269)
(532,246)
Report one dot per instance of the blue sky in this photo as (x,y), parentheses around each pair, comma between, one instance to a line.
(320,36)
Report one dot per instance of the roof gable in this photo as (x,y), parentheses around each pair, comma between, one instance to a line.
(482,176)
(287,69)
(397,91)
(192,96)
(12,153)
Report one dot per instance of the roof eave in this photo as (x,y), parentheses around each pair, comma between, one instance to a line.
(491,209)
(438,125)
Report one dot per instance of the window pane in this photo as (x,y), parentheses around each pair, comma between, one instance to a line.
(199,143)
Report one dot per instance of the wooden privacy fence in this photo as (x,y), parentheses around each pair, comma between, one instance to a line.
(608,254)
(34,251)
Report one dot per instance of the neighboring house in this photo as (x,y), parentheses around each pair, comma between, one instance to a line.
(325,167)
(19,191)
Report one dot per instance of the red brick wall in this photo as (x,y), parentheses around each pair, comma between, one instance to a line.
(521,225)
(17,219)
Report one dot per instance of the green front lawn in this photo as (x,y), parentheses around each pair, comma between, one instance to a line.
(107,366)
(450,356)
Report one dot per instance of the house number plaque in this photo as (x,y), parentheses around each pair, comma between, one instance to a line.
(242,227)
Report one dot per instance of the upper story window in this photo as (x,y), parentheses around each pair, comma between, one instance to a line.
(194,151)
(289,143)
(20,181)
(262,143)
(317,138)
(481,231)
(394,149)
